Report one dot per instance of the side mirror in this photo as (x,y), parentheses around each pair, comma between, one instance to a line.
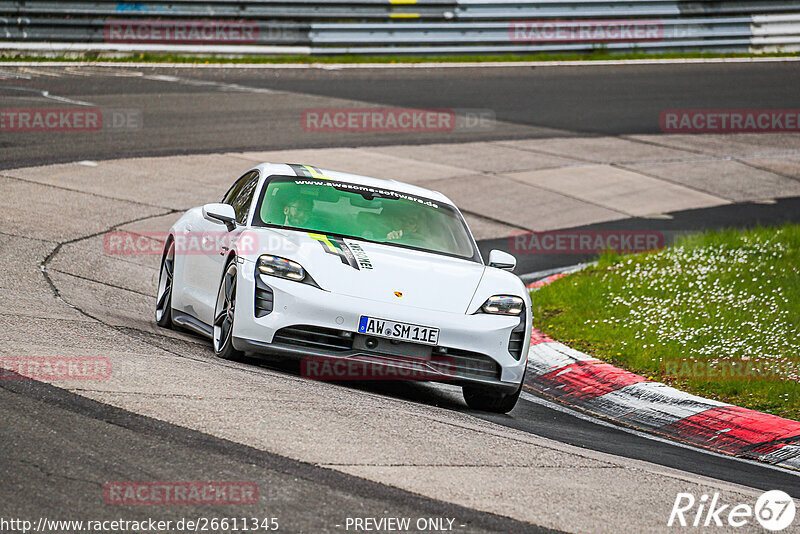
(220,214)
(502,260)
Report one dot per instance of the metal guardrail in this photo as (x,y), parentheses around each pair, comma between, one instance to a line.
(501,32)
(512,9)
(303,10)
(79,30)
(403,26)
(300,10)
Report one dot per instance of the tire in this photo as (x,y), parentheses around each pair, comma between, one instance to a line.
(224,315)
(165,280)
(487,399)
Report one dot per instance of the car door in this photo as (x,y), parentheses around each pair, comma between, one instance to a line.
(216,242)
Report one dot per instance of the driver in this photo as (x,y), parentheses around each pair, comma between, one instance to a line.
(297,212)
(404,224)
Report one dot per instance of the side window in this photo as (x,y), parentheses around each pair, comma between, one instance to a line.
(244,198)
(235,188)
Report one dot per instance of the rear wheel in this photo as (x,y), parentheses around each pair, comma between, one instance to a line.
(165,278)
(224,313)
(488,399)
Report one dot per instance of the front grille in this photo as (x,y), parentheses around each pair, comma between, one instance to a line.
(453,362)
(466,364)
(517,339)
(265,299)
(314,337)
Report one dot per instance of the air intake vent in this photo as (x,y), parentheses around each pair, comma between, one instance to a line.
(265,299)
(517,340)
(314,337)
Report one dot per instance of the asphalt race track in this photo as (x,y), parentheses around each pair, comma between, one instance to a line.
(320,452)
(211,110)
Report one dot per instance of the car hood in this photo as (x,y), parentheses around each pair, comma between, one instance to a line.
(378,272)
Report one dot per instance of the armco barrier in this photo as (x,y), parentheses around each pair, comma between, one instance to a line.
(509,9)
(729,33)
(403,26)
(129,31)
(302,10)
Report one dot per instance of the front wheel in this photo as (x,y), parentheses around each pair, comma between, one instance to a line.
(488,399)
(223,315)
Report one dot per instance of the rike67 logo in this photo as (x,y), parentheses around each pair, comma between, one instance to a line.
(774,510)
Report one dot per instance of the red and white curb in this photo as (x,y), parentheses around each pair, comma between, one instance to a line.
(582,381)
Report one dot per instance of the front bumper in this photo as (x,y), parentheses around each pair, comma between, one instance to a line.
(480,341)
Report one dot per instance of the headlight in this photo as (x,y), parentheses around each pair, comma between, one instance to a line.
(503,305)
(281,267)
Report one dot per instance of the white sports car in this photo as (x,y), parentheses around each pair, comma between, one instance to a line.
(361,278)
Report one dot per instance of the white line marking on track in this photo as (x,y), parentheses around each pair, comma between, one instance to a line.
(41,72)
(88,72)
(46,94)
(596,420)
(206,83)
(13,76)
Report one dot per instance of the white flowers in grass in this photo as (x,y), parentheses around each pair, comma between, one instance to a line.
(713,301)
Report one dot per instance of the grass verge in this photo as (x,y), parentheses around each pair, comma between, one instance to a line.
(304,59)
(717,315)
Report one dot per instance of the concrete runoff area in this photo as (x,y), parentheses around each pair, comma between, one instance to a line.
(585,185)
(90,303)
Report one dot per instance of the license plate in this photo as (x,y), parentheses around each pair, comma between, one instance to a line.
(401,331)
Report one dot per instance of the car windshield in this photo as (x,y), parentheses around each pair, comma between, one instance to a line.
(363,212)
